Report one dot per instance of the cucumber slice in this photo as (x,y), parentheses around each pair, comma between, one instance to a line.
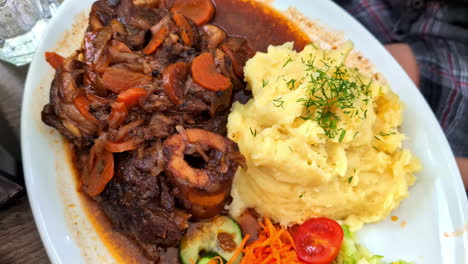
(203,237)
(207,258)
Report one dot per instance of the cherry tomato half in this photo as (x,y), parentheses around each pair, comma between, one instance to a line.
(318,240)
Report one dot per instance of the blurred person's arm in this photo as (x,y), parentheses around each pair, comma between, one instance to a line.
(404,55)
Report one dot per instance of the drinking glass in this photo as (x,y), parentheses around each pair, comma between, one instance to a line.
(22,23)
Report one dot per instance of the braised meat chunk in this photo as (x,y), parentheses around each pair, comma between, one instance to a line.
(140,203)
(144,102)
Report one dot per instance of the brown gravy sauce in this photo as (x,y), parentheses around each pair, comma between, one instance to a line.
(258,23)
(261,26)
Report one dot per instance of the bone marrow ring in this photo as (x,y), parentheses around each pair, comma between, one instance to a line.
(202,164)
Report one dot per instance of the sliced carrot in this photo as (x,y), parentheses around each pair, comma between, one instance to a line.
(174,77)
(82,104)
(205,74)
(156,41)
(97,176)
(118,80)
(131,96)
(118,114)
(120,146)
(185,29)
(200,11)
(54,59)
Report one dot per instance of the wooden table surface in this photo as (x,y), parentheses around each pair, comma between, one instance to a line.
(19,240)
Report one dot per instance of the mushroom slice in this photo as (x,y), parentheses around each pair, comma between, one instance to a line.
(214,35)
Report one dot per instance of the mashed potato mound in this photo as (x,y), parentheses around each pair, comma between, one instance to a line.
(320,139)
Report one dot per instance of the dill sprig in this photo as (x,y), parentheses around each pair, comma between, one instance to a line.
(387,134)
(343,133)
(291,84)
(287,62)
(313,45)
(328,90)
(253,132)
(355,134)
(278,102)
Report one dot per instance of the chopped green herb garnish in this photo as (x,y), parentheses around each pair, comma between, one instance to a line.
(287,62)
(327,92)
(253,132)
(375,148)
(301,195)
(350,179)
(367,88)
(264,83)
(290,148)
(326,64)
(387,134)
(309,64)
(291,84)
(343,133)
(377,138)
(278,102)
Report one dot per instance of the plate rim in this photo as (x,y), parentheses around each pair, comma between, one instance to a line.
(27,156)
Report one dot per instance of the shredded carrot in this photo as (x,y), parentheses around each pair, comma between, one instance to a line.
(216,260)
(238,250)
(273,246)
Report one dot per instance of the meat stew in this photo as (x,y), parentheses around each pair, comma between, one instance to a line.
(144,103)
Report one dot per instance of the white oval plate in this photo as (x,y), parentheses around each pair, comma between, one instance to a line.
(437,204)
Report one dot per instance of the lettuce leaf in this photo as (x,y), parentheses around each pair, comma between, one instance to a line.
(352,252)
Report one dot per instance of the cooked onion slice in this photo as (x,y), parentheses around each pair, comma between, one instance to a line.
(174,77)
